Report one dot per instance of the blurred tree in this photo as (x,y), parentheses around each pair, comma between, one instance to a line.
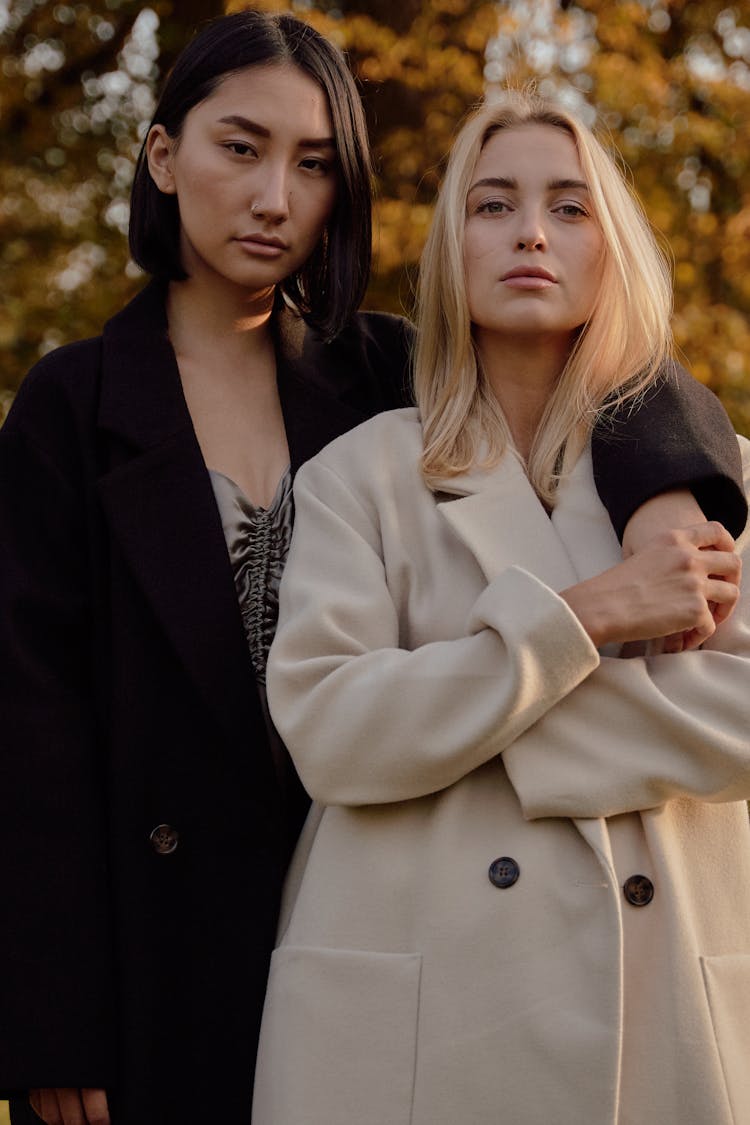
(670,79)
(77,84)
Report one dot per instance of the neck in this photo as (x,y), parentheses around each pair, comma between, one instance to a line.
(225,320)
(522,374)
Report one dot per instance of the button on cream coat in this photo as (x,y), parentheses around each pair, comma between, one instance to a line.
(445,709)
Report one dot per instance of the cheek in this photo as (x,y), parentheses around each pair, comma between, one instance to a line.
(197,185)
(479,243)
(474,251)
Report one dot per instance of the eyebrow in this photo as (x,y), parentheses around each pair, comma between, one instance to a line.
(509,184)
(249,126)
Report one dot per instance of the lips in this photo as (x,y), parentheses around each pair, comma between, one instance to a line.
(530,272)
(266,246)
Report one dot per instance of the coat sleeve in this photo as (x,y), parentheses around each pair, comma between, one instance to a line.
(642,731)
(367,721)
(679,436)
(55,1002)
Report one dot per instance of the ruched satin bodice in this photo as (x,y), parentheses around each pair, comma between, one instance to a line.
(258,543)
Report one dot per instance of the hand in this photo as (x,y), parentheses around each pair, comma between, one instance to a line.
(673,509)
(68,1106)
(682,581)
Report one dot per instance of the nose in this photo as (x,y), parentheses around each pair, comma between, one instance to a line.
(271,195)
(531,233)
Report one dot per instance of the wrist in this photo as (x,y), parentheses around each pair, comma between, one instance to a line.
(595,614)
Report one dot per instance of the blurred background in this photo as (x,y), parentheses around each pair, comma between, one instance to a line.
(669,80)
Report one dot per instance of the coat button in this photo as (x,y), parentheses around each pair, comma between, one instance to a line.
(638,890)
(164,839)
(503,872)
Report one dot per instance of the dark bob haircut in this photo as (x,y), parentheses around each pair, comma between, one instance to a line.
(329,287)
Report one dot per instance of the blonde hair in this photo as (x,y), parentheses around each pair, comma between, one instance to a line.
(616,355)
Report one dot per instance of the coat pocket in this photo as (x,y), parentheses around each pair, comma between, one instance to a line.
(339,1038)
(727,982)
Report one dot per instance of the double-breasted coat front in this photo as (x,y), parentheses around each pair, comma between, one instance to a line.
(523,893)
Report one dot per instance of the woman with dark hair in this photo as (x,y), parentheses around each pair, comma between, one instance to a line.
(149,808)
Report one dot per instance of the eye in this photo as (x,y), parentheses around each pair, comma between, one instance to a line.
(316,164)
(240,148)
(492,207)
(571,211)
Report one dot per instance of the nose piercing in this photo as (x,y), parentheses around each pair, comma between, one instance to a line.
(254,210)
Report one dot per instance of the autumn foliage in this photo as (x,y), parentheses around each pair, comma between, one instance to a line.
(670,83)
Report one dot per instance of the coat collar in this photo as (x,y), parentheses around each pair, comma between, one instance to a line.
(142,399)
(500,519)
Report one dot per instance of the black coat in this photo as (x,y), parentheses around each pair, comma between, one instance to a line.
(127,702)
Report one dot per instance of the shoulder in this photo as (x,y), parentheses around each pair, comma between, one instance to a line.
(367,476)
(374,455)
(377,347)
(384,330)
(388,339)
(63,383)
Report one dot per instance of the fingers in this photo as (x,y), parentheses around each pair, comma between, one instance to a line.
(675,642)
(95,1107)
(44,1104)
(705,535)
(69,1106)
(722,568)
(720,564)
(721,597)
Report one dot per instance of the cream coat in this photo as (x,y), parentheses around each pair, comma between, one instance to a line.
(446,707)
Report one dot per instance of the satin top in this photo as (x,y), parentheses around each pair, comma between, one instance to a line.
(258,543)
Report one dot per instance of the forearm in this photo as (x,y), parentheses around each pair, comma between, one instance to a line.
(678,437)
(386,724)
(638,733)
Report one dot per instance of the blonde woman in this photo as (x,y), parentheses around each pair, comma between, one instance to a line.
(523,895)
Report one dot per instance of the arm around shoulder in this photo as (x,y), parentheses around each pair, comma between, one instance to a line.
(642,731)
(678,436)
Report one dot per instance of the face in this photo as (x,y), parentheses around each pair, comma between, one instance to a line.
(255,175)
(532,249)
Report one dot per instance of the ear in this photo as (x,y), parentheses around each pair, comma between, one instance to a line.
(159,153)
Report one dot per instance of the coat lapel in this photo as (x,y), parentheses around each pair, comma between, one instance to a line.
(157,494)
(502,522)
(583,524)
(157,498)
